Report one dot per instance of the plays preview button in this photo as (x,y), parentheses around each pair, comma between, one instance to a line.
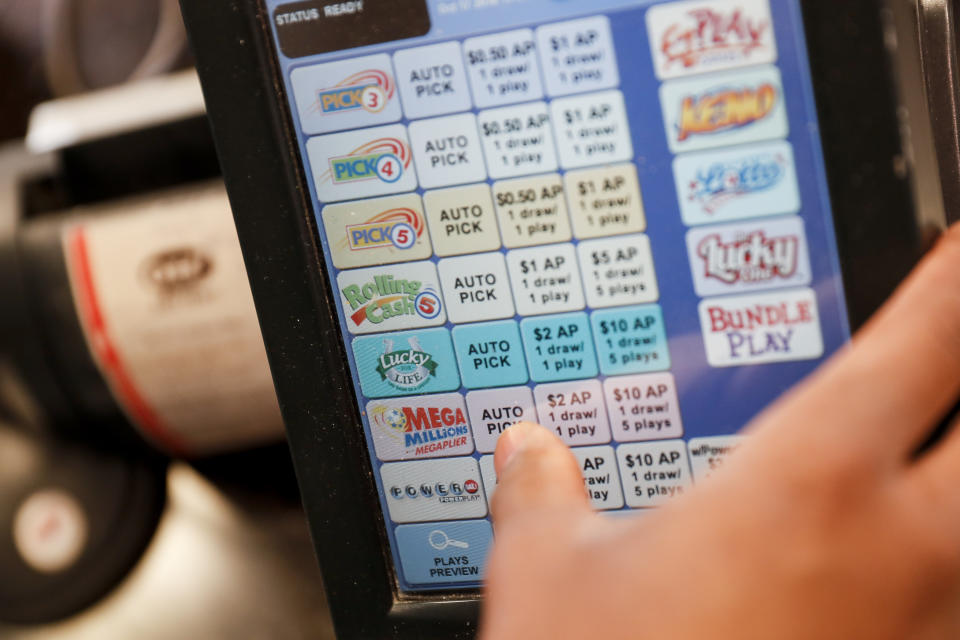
(441,552)
(430,490)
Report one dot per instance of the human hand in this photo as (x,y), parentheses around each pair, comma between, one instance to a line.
(824,523)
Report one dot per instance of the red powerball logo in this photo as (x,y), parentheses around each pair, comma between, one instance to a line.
(383,159)
(369,90)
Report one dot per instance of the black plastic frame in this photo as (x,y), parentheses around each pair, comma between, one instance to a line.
(876,228)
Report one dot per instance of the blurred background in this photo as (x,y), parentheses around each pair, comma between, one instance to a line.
(146,490)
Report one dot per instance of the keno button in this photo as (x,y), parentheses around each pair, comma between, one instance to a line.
(430,490)
(444,552)
(346,94)
(476,287)
(432,80)
(378,231)
(574,410)
(420,427)
(494,410)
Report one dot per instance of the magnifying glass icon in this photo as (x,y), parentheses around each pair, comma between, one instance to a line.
(439,540)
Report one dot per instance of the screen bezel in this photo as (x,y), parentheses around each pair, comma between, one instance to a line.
(874,218)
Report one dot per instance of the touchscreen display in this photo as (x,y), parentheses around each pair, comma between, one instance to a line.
(607,216)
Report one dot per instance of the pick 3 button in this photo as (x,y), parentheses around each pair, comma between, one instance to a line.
(445,552)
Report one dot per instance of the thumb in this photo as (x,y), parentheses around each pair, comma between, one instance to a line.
(536,473)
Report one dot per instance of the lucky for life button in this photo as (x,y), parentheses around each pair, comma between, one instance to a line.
(346,94)
(447,151)
(362,163)
(631,340)
(532,211)
(462,220)
(545,279)
(517,141)
(490,354)
(653,472)
(618,271)
(432,80)
(578,56)
(503,68)
(377,231)
(494,410)
(600,478)
(643,407)
(406,364)
(574,410)
(444,552)
(477,288)
(559,348)
(605,201)
(429,490)
(591,129)
(421,427)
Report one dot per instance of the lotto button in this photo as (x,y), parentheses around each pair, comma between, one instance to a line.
(406,364)
(591,129)
(476,287)
(618,271)
(631,340)
(605,202)
(503,68)
(462,220)
(578,56)
(559,348)
(444,552)
(518,141)
(429,490)
(643,407)
(653,472)
(363,163)
(545,280)
(375,232)
(490,355)
(575,411)
(346,94)
(447,151)
(600,478)
(432,80)
(532,211)
(494,410)
(707,455)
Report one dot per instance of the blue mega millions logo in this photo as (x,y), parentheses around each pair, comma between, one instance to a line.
(718,183)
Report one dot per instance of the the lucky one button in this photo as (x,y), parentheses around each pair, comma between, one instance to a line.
(444,552)
(490,355)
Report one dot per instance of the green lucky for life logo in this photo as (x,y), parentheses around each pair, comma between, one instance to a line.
(406,369)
